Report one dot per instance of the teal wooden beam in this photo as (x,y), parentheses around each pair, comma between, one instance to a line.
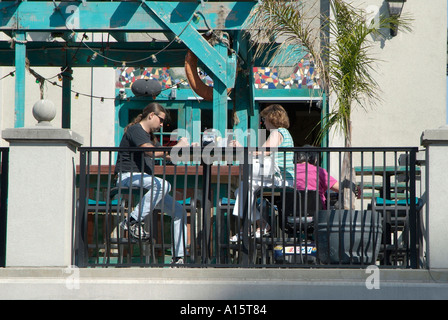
(180,22)
(66,97)
(188,125)
(181,18)
(253,110)
(192,123)
(121,120)
(287,94)
(254,124)
(196,130)
(215,58)
(241,107)
(102,16)
(20,56)
(220,98)
(181,120)
(75,54)
(172,56)
(165,95)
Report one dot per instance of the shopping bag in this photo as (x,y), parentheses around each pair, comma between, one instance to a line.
(264,168)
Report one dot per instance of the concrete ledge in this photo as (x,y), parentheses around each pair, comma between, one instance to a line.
(435,136)
(219,284)
(42,134)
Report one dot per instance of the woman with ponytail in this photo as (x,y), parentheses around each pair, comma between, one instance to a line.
(136,169)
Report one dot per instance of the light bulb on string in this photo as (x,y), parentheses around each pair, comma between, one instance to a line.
(196,17)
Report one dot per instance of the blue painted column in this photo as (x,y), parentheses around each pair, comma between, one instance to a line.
(254,124)
(242,108)
(254,111)
(20,55)
(220,96)
(66,97)
(193,121)
(122,119)
(196,129)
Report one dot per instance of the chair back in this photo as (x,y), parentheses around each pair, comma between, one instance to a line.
(306,203)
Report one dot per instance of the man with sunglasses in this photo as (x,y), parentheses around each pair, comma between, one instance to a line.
(136,169)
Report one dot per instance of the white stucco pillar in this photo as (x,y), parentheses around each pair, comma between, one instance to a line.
(40,195)
(436,143)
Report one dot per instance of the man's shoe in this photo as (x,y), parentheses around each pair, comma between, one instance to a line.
(136,229)
(124,224)
(177,260)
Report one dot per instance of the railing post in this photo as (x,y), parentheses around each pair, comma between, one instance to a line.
(80,250)
(3,207)
(412,211)
(245,206)
(206,200)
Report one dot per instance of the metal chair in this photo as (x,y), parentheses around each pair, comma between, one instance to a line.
(297,215)
(152,250)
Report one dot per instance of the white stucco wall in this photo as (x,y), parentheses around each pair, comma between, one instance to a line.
(84,109)
(412,77)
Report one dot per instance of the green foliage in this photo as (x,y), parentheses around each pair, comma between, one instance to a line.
(340,42)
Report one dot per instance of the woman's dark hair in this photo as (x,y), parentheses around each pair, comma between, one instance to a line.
(152,107)
(307,156)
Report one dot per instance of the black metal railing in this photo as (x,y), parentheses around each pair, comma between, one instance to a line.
(374,218)
(4,164)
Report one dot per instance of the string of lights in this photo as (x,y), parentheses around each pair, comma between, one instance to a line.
(41,81)
(11,74)
(195,17)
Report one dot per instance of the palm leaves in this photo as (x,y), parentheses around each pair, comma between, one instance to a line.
(289,21)
(350,65)
(340,43)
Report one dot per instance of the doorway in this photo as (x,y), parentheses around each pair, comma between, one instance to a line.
(304,120)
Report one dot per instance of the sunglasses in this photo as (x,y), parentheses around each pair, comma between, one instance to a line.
(162,120)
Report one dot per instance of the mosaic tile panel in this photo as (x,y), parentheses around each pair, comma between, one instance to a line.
(126,76)
(302,76)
